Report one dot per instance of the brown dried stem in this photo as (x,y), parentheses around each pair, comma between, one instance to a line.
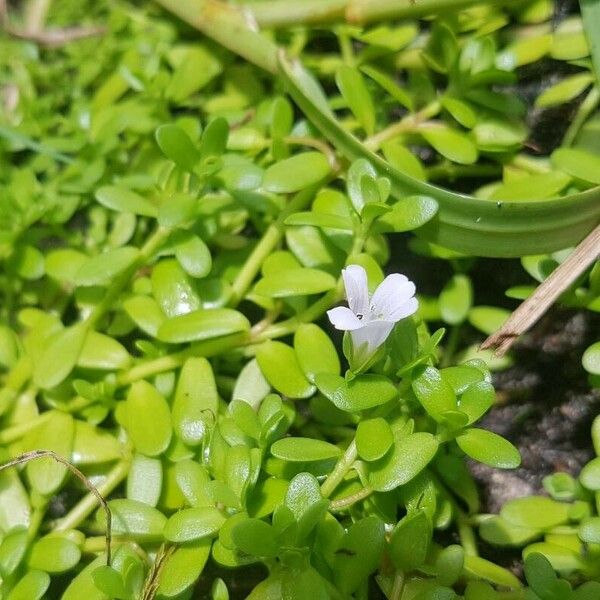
(35,454)
(545,295)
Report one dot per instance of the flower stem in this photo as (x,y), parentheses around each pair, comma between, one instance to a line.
(343,465)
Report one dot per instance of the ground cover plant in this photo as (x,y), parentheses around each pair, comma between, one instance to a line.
(220,379)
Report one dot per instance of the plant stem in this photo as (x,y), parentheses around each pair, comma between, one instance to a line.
(16,432)
(407,124)
(343,465)
(450,349)
(269,240)
(282,13)
(348,501)
(89,502)
(229,26)
(156,240)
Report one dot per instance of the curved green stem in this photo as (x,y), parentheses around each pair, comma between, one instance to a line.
(343,465)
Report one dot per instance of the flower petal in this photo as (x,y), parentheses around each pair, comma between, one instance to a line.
(344,319)
(357,289)
(373,334)
(390,301)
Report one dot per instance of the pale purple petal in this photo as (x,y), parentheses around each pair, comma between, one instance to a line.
(357,289)
(373,334)
(344,319)
(390,299)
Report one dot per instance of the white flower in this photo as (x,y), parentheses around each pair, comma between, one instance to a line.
(371,319)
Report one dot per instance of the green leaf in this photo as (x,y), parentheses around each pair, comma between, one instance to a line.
(495,135)
(214,138)
(251,385)
(12,550)
(123,200)
(255,537)
(451,144)
(351,84)
(488,319)
(374,438)
(32,586)
(407,214)
(591,359)
(543,580)
(177,146)
(296,173)
(103,352)
(532,187)
(196,401)
(92,445)
(476,400)
(195,66)
(564,91)
(102,269)
(578,163)
(409,456)
(67,343)
(590,475)
(145,313)
(45,474)
(295,282)
(145,479)
(433,392)
(363,392)
(109,581)
(202,324)
(183,567)
(298,449)
(489,448)
(455,299)
(54,554)
(358,554)
(460,110)
(535,512)
(135,519)
(177,210)
(193,255)
(389,85)
(315,351)
(193,524)
(409,541)
(589,530)
(279,364)
(319,219)
(478,567)
(148,419)
(173,289)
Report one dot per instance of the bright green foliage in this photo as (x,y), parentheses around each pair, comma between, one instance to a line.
(173,227)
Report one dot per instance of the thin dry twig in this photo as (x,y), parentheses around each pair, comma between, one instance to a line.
(545,295)
(153,579)
(35,454)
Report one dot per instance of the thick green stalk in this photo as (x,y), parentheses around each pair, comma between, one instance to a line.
(229,27)
(283,13)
